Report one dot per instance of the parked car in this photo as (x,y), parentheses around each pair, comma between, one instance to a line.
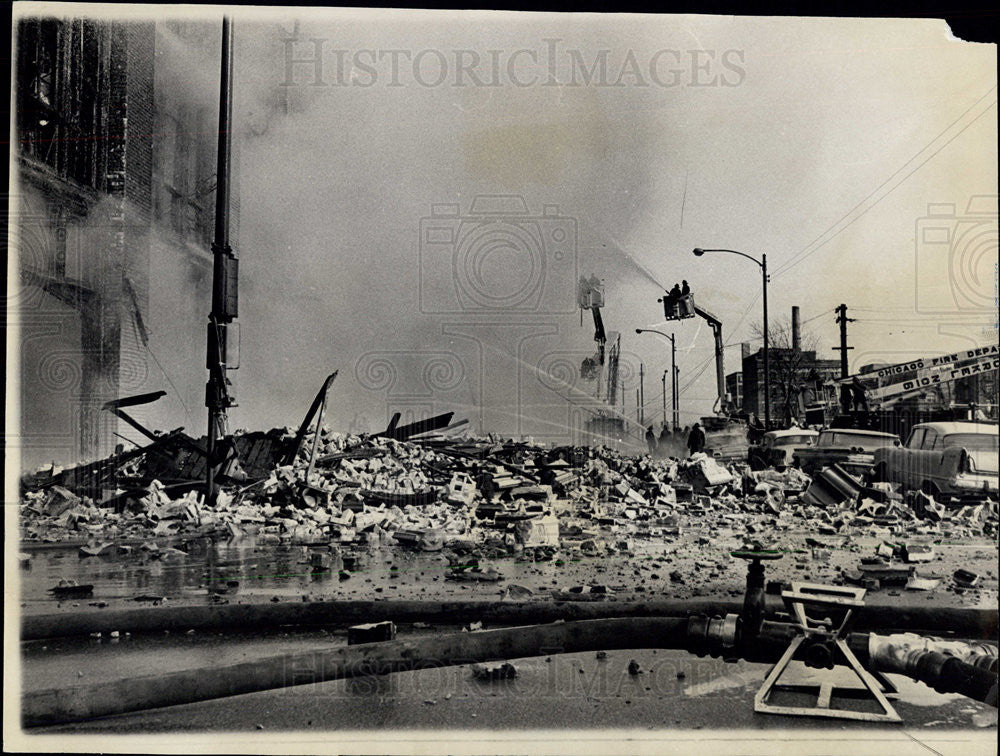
(777,447)
(956,458)
(853,450)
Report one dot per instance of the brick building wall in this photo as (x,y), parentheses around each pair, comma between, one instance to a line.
(79,240)
(798,368)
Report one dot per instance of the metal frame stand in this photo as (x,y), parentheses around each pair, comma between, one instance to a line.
(832,643)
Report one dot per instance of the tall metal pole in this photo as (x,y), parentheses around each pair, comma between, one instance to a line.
(674,399)
(224,271)
(664,380)
(762,263)
(677,400)
(767,354)
(674,403)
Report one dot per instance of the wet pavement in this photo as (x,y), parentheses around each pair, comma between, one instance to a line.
(674,690)
(695,565)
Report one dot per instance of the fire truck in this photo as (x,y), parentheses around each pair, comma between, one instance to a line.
(894,398)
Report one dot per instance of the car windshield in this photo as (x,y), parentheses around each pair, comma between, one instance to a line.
(868,443)
(973,441)
(796,440)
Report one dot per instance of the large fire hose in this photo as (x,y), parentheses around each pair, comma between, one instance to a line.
(946,666)
(968,676)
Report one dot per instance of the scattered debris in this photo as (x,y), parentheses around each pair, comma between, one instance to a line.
(918,553)
(514,592)
(916,583)
(101,549)
(71,589)
(373,632)
(887,574)
(505,671)
(966,578)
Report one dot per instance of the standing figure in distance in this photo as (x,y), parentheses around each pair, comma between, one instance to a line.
(696,439)
(650,439)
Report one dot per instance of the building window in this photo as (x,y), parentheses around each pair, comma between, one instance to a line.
(59,67)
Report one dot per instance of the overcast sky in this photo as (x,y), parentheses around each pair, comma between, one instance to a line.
(820,142)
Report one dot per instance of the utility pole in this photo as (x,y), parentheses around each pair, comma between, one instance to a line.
(676,399)
(664,380)
(224,274)
(843,320)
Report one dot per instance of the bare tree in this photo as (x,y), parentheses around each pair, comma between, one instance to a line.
(793,372)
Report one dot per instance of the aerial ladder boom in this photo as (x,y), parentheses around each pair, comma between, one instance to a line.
(590,294)
(720,370)
(682,307)
(893,383)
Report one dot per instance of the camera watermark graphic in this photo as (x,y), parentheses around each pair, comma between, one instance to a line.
(576,400)
(416,384)
(497,257)
(318,62)
(956,258)
(994,329)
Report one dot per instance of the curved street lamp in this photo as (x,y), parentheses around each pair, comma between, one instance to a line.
(762,264)
(674,404)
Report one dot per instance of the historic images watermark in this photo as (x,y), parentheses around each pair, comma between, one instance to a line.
(552,675)
(955,257)
(319,62)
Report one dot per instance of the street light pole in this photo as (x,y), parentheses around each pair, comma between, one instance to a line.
(674,403)
(224,274)
(762,264)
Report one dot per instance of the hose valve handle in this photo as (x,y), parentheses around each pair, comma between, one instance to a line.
(752,616)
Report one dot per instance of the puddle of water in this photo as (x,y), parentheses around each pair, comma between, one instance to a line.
(275,568)
(909,691)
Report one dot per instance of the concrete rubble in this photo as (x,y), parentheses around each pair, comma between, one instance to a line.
(473,498)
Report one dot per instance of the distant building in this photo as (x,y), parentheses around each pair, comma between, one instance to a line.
(734,387)
(797,379)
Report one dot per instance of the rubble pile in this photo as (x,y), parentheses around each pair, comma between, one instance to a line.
(492,498)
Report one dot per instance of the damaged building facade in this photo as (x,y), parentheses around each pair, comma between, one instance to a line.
(114,214)
(84,97)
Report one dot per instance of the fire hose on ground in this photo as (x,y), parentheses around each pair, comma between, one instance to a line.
(974,676)
(969,669)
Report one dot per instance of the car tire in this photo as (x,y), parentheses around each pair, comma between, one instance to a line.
(930,489)
(880,474)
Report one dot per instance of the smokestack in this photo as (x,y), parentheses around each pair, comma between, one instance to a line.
(796,335)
